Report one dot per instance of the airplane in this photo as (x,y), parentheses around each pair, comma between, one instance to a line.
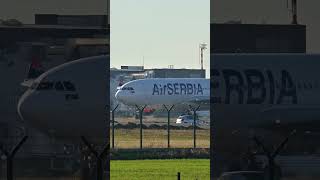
(70,100)
(266,90)
(167,91)
(263,95)
(61,101)
(249,92)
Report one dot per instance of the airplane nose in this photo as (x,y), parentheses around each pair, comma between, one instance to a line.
(119,95)
(24,106)
(33,111)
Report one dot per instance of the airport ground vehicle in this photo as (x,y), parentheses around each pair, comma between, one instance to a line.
(186,119)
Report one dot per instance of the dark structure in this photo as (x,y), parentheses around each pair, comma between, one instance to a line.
(53,27)
(176,73)
(72,20)
(37,32)
(257,38)
(158,73)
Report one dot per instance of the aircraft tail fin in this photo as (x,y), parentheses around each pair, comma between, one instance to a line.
(35,69)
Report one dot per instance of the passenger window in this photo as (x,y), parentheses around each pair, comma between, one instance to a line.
(127,88)
(59,86)
(69,86)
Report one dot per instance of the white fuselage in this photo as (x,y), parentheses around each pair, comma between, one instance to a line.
(69,100)
(265,90)
(247,91)
(164,91)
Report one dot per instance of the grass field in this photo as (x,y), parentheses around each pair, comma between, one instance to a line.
(160,169)
(157,138)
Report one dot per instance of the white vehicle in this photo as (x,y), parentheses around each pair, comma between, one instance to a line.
(164,91)
(189,120)
(185,119)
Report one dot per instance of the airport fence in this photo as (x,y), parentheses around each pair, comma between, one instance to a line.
(141,135)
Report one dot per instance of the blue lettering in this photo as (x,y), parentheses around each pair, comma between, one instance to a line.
(155,89)
(232,86)
(271,86)
(189,88)
(251,86)
(288,89)
(160,89)
(176,88)
(170,90)
(183,89)
(200,89)
(255,82)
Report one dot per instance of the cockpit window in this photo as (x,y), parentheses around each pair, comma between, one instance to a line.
(127,88)
(58,86)
(45,86)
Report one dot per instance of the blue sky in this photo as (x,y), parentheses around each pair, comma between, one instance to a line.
(163,32)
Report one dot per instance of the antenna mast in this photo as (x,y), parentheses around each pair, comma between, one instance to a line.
(293,11)
(202,47)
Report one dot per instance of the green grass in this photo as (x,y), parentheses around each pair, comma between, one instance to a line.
(156,138)
(160,169)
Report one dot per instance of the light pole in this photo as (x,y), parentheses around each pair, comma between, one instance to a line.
(202,47)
